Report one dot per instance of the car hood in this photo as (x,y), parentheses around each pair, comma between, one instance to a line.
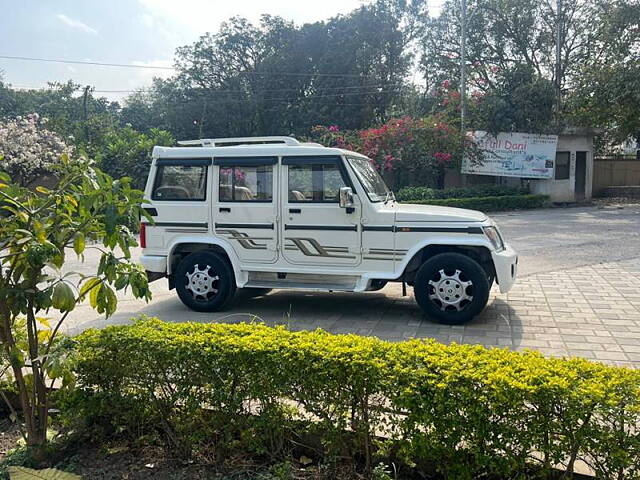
(406,212)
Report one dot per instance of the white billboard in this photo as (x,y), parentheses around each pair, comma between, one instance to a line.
(524,155)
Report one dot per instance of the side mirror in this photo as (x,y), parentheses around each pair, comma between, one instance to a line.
(346,197)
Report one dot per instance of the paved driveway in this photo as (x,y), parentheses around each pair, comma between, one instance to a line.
(578,294)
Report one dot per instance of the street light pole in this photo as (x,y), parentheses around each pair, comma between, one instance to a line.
(463,77)
(463,65)
(559,39)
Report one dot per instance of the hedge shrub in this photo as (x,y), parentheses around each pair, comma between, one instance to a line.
(459,410)
(426,193)
(488,204)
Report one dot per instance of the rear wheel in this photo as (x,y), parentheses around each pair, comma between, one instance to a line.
(204,282)
(451,288)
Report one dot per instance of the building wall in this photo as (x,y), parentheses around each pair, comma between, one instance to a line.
(564,190)
(615,172)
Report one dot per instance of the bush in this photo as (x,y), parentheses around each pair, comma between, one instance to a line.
(490,204)
(461,410)
(426,193)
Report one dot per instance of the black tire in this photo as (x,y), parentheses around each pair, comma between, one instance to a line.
(250,292)
(216,292)
(459,300)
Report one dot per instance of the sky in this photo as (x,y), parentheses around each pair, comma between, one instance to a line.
(140,32)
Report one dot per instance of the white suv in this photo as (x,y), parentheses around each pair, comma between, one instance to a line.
(272,212)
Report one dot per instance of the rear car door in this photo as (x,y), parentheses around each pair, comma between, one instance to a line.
(315,229)
(245,206)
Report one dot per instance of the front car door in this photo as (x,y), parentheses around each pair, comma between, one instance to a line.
(315,229)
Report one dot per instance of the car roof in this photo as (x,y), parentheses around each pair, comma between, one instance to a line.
(263,150)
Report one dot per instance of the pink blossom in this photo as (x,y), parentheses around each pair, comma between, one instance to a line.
(334,128)
(442,157)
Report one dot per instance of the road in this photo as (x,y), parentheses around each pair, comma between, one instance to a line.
(556,239)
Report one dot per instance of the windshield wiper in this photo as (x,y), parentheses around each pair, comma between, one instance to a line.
(389,196)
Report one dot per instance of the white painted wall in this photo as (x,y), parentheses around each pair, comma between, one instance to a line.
(564,190)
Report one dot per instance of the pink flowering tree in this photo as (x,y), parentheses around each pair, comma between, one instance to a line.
(407,151)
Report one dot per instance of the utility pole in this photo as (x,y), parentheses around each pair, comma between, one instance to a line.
(463,77)
(463,65)
(84,112)
(559,38)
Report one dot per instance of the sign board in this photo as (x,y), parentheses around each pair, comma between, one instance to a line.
(524,155)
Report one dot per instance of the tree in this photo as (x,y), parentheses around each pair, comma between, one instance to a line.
(278,78)
(127,153)
(29,151)
(505,37)
(87,209)
(520,102)
(407,151)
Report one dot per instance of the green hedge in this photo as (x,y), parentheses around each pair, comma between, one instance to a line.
(461,411)
(426,193)
(489,204)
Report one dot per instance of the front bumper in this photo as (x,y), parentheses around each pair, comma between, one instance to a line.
(506,265)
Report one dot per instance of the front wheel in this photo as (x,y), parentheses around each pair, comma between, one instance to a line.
(451,288)
(204,282)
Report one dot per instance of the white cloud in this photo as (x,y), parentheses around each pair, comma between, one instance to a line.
(77,24)
(188,19)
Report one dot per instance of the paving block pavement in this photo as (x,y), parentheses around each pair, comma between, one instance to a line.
(591,312)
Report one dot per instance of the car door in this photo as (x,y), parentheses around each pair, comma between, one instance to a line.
(315,230)
(178,189)
(245,207)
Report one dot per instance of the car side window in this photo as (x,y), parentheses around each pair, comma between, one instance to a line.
(314,183)
(246,183)
(180,182)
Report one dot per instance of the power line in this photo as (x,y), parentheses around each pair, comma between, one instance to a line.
(82,62)
(216,91)
(158,67)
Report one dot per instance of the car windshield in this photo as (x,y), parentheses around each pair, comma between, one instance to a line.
(370,179)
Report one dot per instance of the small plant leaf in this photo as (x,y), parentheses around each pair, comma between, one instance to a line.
(23,473)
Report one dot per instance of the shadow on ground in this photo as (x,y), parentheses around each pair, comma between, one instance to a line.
(380,314)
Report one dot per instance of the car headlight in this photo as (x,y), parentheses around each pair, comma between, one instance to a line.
(493,234)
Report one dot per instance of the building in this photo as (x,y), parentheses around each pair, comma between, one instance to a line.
(569,162)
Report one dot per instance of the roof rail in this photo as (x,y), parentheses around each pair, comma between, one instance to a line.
(220,142)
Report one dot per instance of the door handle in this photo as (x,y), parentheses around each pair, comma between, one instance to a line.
(224,209)
(295,210)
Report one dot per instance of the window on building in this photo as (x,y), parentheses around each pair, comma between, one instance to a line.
(315,182)
(246,183)
(563,164)
(180,182)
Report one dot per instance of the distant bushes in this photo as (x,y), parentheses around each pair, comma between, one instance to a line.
(480,197)
(460,411)
(490,204)
(426,193)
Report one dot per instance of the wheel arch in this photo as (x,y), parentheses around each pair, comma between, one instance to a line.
(478,251)
(182,247)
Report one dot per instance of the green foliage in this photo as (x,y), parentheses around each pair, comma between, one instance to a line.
(520,102)
(86,209)
(427,193)
(127,153)
(490,204)
(464,410)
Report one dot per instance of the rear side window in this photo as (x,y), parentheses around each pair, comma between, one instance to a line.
(246,183)
(180,182)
